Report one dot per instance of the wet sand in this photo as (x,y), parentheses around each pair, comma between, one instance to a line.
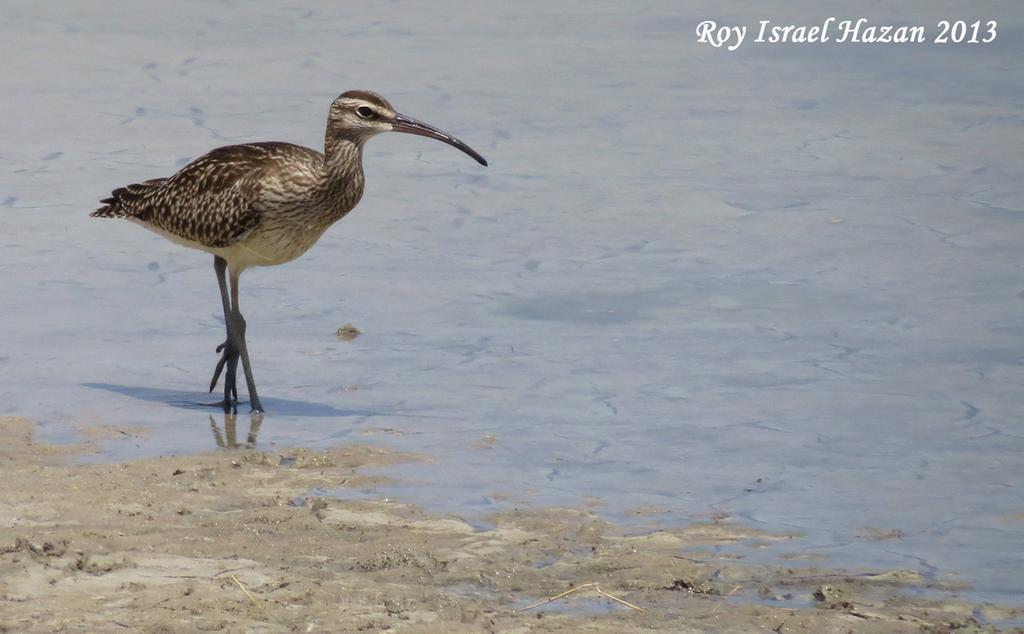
(231,541)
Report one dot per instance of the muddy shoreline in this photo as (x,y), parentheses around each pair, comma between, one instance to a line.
(231,541)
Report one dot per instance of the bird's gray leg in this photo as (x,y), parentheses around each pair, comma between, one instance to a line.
(237,332)
(229,356)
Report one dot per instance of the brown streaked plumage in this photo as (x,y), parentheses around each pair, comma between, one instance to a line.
(260,204)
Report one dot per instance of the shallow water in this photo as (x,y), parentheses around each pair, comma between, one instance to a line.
(781,284)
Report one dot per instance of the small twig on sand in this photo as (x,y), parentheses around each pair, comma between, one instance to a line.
(725,598)
(239,584)
(617,599)
(585,586)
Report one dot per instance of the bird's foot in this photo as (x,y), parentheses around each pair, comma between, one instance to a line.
(228,360)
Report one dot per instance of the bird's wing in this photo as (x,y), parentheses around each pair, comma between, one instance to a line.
(214,201)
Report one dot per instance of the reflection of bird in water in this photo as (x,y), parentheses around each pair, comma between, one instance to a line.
(261,204)
(229,440)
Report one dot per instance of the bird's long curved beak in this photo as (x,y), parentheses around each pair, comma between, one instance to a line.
(402,123)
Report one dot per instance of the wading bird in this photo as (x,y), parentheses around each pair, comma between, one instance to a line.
(260,204)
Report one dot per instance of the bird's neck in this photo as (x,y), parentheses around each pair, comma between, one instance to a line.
(342,154)
(343,175)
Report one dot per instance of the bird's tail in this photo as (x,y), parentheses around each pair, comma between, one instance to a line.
(127,201)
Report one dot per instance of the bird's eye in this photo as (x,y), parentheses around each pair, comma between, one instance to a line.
(366,112)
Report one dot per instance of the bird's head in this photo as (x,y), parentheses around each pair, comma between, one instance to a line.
(358,115)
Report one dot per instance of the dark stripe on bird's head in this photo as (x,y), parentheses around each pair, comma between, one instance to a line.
(368,96)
